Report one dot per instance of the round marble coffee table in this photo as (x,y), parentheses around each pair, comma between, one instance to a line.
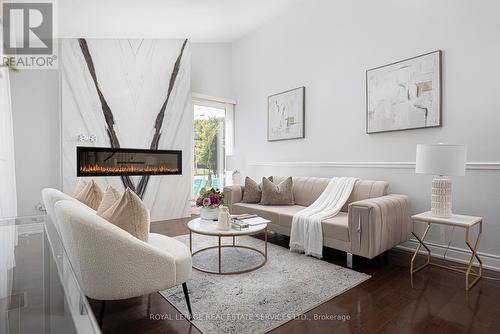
(209,227)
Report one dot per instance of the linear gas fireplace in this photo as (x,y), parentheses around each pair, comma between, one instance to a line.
(105,161)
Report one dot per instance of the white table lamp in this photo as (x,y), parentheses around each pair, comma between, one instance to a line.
(233,163)
(441,160)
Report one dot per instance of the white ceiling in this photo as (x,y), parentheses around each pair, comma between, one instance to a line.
(200,20)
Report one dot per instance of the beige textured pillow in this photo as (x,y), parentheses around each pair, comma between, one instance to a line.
(90,194)
(253,191)
(79,186)
(110,197)
(130,214)
(277,194)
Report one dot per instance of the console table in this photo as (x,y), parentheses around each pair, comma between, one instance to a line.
(460,221)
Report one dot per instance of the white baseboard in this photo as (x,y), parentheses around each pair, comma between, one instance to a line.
(490,261)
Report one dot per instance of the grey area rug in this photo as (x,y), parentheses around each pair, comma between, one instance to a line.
(288,285)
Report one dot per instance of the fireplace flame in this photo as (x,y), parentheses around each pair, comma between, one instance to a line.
(127,169)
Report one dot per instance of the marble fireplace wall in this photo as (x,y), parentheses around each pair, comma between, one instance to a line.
(135,94)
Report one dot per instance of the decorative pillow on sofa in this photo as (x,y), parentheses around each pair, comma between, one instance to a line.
(89,193)
(110,197)
(79,186)
(277,194)
(253,190)
(130,214)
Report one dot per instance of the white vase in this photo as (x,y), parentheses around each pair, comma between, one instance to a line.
(224,218)
(209,213)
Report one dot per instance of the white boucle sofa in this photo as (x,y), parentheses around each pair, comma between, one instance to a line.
(370,222)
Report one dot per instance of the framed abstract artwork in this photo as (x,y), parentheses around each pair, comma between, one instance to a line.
(286,114)
(404,95)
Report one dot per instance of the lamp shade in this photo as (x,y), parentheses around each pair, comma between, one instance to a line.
(441,159)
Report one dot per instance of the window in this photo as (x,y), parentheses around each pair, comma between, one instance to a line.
(213,138)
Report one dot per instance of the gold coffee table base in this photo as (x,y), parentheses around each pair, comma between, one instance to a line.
(220,246)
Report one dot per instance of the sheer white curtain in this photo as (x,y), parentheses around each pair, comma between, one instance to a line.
(8,197)
(8,202)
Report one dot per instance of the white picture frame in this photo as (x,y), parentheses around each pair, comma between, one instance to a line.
(404,95)
(286,115)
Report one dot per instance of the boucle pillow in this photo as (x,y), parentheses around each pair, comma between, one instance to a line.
(90,194)
(277,194)
(110,197)
(130,214)
(253,190)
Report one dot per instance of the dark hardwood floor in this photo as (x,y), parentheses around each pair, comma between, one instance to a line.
(386,303)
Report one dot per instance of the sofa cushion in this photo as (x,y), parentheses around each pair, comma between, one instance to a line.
(365,189)
(277,193)
(254,208)
(305,189)
(336,227)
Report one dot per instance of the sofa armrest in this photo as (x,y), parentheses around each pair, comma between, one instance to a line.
(233,194)
(378,224)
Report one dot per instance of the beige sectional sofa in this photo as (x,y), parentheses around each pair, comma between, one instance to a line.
(370,223)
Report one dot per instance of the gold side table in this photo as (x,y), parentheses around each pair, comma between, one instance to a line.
(460,221)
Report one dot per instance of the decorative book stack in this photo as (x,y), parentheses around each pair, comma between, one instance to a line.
(239,225)
(244,221)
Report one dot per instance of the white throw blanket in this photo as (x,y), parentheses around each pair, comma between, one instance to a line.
(307,234)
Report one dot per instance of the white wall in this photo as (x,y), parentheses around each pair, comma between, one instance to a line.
(37,129)
(327,46)
(211,69)
(35,109)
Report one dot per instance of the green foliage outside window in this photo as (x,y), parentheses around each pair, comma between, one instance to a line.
(206,132)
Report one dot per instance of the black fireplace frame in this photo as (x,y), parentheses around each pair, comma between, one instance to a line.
(82,149)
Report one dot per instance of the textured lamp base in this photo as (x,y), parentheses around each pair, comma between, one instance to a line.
(441,197)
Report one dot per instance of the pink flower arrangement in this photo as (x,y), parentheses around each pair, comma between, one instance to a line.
(210,198)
